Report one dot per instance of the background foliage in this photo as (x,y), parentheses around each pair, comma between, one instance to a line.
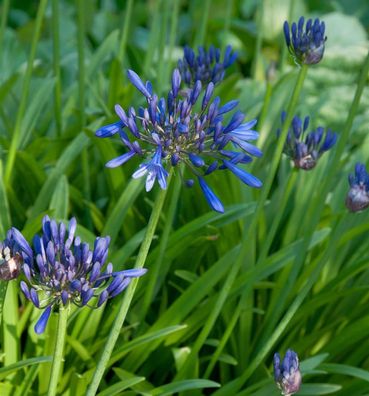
(304,284)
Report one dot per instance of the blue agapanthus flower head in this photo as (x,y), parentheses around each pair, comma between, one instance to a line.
(194,129)
(61,269)
(287,373)
(306,148)
(305,43)
(205,66)
(358,196)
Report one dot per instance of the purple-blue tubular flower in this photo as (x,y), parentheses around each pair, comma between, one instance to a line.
(205,66)
(305,148)
(358,196)
(62,270)
(185,127)
(287,373)
(306,45)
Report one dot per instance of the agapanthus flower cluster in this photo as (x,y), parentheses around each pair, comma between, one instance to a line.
(358,196)
(304,148)
(206,66)
(11,258)
(306,45)
(184,129)
(61,269)
(287,374)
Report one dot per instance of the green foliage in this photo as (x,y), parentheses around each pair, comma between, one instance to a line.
(306,289)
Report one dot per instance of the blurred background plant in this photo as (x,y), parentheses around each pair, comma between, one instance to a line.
(304,284)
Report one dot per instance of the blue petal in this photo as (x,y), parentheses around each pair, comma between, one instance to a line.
(21,242)
(132,273)
(212,199)
(137,82)
(243,175)
(120,160)
(109,130)
(42,322)
(196,160)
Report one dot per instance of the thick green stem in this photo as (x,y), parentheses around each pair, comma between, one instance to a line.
(56,66)
(200,37)
(128,296)
(275,160)
(58,351)
(4,18)
(25,91)
(259,40)
(82,101)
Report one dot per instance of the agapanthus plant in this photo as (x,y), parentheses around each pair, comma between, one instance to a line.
(306,45)
(184,129)
(287,374)
(358,196)
(304,148)
(61,269)
(205,66)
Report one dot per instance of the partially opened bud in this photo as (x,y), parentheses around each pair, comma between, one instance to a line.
(287,373)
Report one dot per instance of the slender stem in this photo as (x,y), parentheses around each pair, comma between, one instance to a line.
(259,40)
(81,101)
(156,268)
(125,30)
(56,66)
(284,46)
(228,17)
(200,37)
(277,154)
(4,18)
(154,36)
(58,351)
(25,91)
(128,296)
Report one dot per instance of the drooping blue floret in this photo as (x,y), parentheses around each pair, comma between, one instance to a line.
(61,269)
(185,127)
(287,373)
(304,148)
(305,45)
(205,66)
(358,196)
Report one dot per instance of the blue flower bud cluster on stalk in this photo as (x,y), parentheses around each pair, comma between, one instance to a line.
(358,196)
(61,269)
(287,373)
(206,66)
(304,148)
(190,129)
(306,45)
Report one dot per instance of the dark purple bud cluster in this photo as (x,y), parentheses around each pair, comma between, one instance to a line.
(62,269)
(206,66)
(306,148)
(305,45)
(287,374)
(358,196)
(185,127)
